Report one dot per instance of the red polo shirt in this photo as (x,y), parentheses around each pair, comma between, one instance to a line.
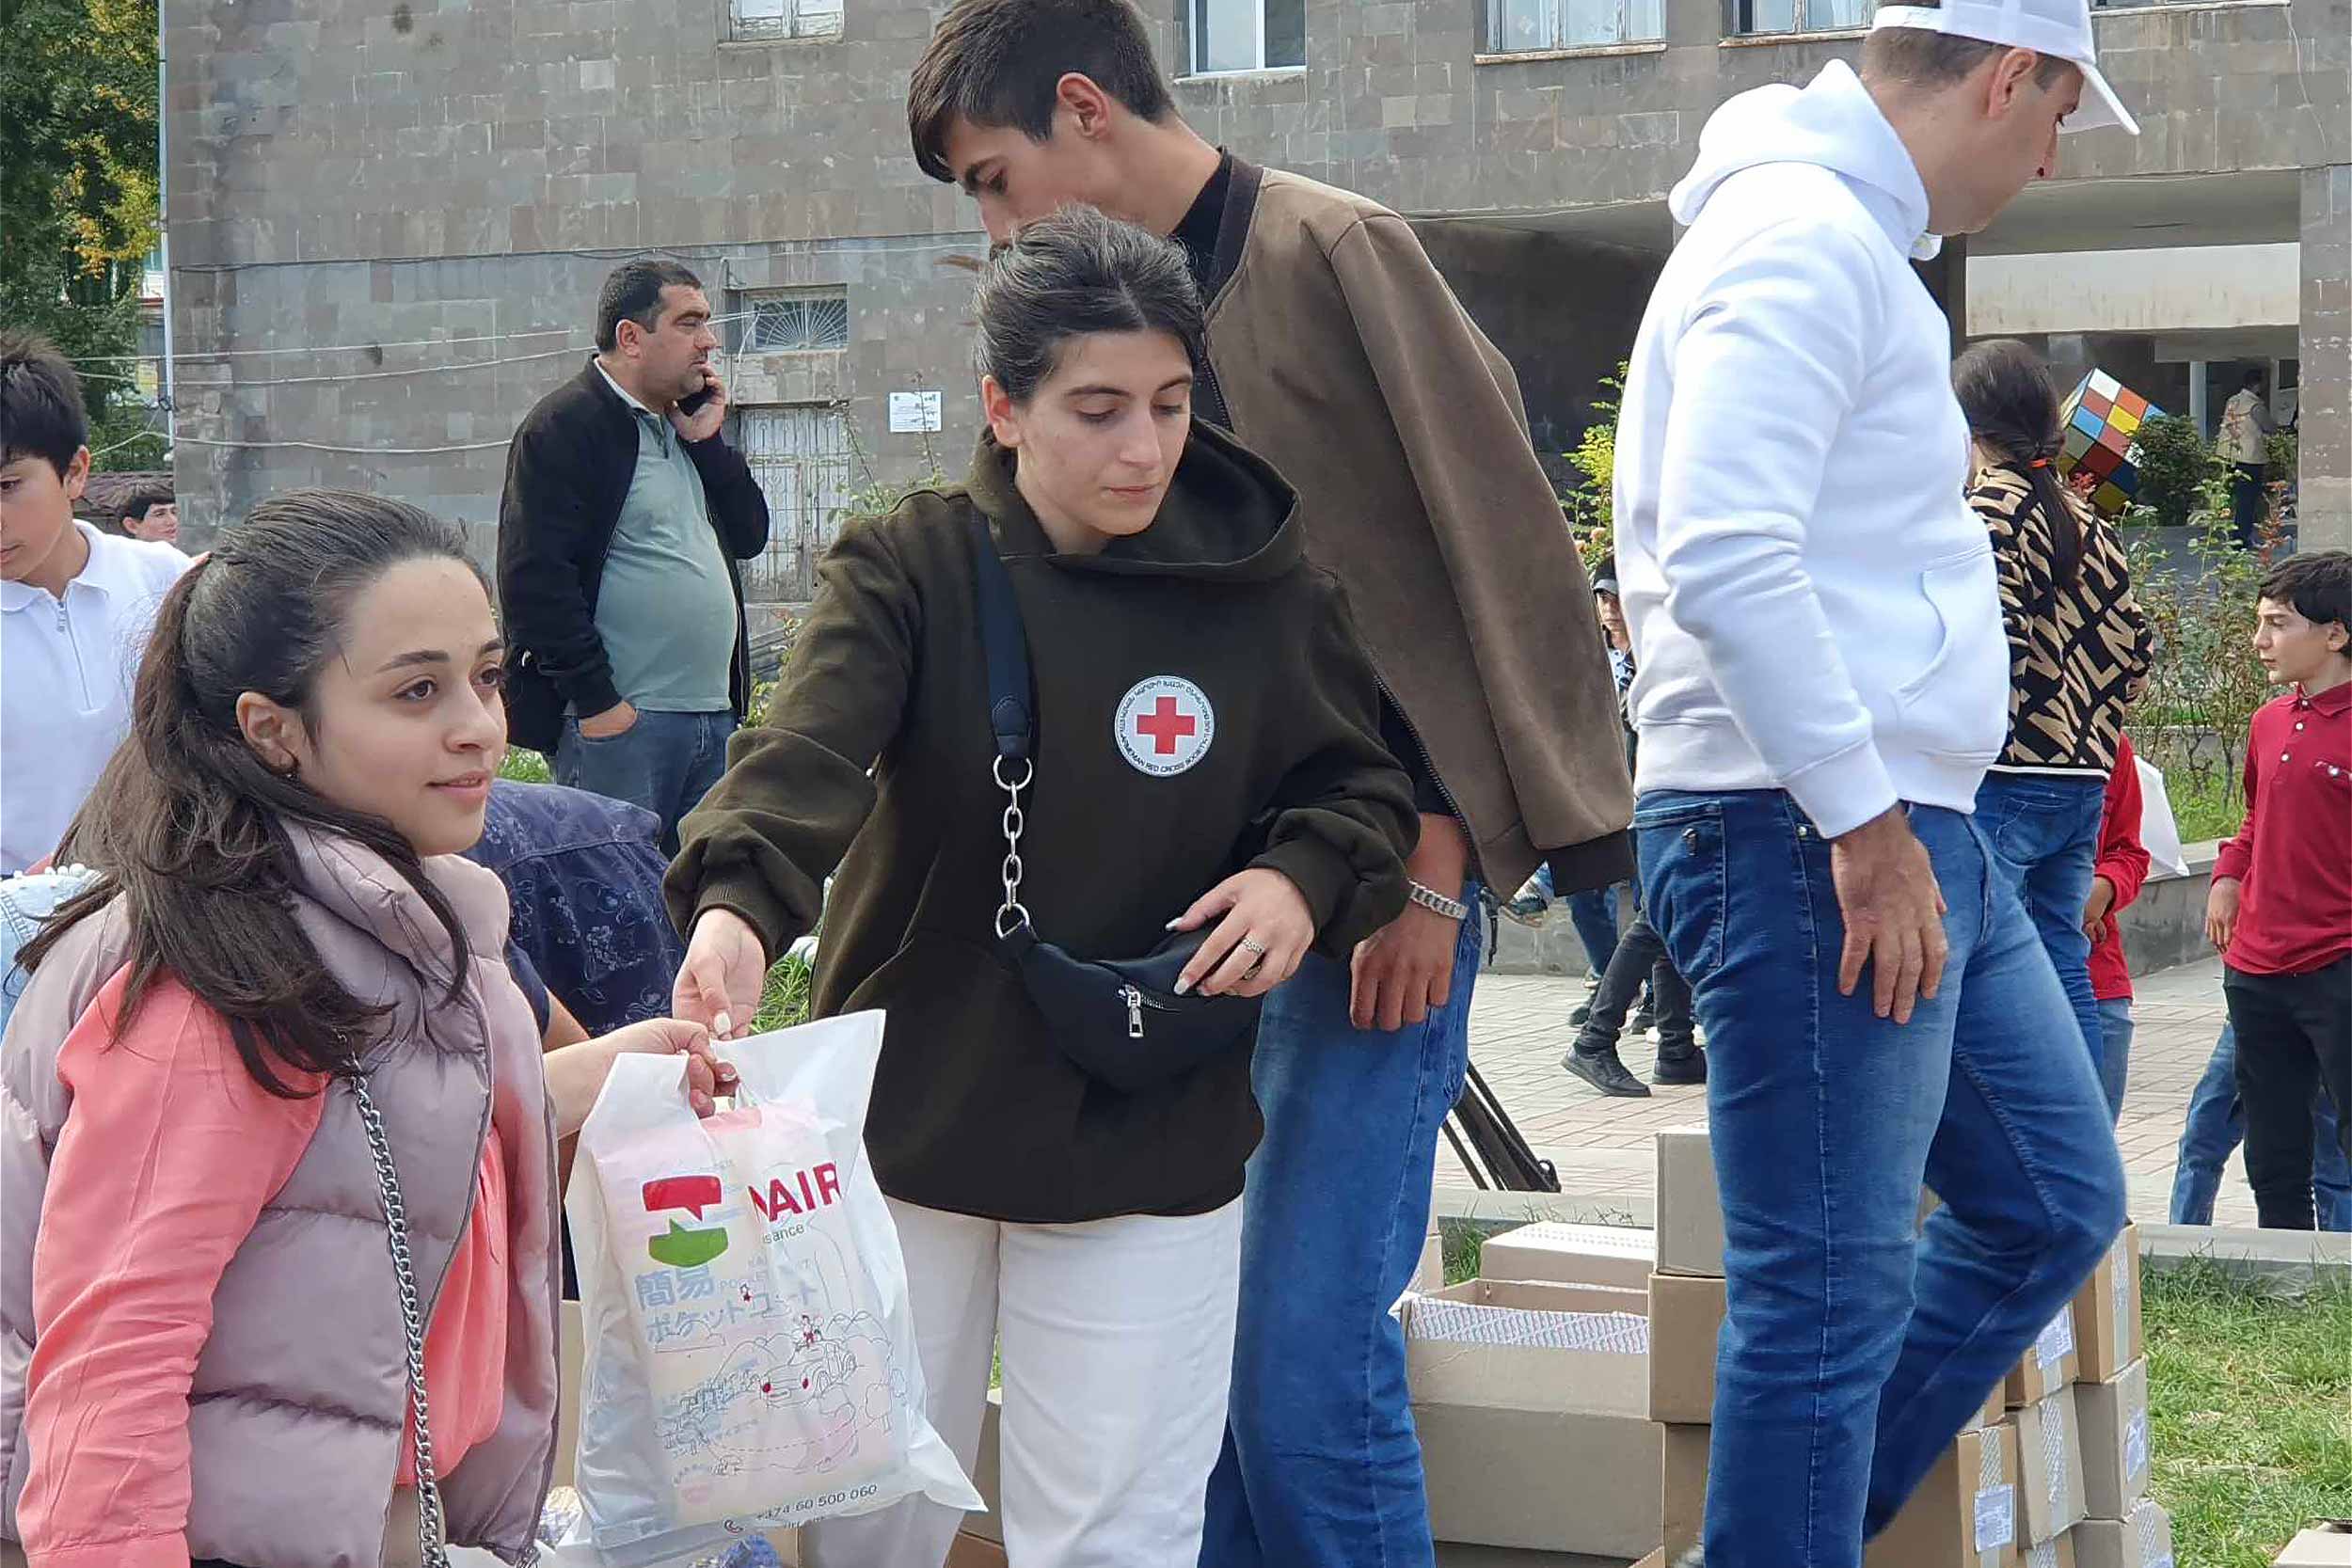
(2122,861)
(2294,854)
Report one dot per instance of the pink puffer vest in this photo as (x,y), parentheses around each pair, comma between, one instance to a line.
(299,1398)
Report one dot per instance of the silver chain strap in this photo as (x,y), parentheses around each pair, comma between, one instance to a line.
(429,1526)
(1010,916)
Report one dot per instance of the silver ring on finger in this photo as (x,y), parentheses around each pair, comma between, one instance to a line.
(1254,970)
(1252,945)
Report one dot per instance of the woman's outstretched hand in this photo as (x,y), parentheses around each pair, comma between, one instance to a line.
(1266,932)
(718,984)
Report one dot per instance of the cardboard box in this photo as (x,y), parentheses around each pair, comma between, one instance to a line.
(1572,1254)
(2050,1458)
(2142,1541)
(1690,1209)
(2049,1365)
(2323,1546)
(2114,1417)
(1429,1274)
(2107,1314)
(1686,1317)
(1682,1486)
(1533,1405)
(2050,1554)
(975,1551)
(1686,1320)
(1964,1514)
(571,1349)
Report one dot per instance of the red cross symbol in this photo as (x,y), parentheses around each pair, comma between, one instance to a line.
(1165,726)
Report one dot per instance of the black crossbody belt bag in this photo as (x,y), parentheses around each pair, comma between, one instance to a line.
(1118,1019)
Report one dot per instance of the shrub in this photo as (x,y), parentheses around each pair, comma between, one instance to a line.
(2175,466)
(2206,683)
(1589,506)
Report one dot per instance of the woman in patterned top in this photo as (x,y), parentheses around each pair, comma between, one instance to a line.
(2078,654)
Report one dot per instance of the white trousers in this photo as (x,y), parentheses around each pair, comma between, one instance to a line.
(1117,1344)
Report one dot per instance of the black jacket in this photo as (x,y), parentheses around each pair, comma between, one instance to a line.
(567,476)
(974,1108)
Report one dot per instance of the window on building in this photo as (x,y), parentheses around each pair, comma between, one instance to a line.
(1750,17)
(803,458)
(1523,26)
(780,322)
(1247,35)
(758,20)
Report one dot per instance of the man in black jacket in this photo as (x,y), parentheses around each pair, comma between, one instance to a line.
(624,516)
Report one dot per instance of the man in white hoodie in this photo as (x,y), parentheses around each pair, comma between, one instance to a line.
(1823,681)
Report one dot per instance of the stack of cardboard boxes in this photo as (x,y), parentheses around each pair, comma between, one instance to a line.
(2051,1473)
(2123,1527)
(1530,1389)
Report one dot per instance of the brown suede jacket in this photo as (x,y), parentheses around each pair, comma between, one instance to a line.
(1343,358)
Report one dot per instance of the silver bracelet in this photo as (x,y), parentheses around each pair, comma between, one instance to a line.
(1438,903)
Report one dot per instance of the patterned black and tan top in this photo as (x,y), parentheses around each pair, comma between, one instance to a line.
(2078,653)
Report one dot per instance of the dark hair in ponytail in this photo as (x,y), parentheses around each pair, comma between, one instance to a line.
(188,826)
(1074,274)
(2012,411)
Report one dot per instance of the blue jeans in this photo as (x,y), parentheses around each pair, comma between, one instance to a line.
(1594,913)
(2216,1125)
(1321,1467)
(1854,1347)
(2116,1028)
(2045,827)
(665,762)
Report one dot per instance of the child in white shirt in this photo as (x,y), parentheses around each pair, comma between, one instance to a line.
(75,607)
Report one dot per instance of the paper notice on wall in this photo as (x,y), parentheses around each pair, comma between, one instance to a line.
(2136,1445)
(912,413)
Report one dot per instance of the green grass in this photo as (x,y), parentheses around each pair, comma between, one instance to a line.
(524,767)
(786,1001)
(2202,813)
(2250,1413)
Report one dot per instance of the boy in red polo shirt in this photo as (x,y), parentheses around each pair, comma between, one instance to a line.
(2281,908)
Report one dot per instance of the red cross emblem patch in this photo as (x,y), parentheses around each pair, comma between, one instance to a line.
(1163,725)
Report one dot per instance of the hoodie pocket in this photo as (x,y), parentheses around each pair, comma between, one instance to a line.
(1970,662)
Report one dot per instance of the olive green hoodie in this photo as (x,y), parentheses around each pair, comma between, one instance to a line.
(1201,706)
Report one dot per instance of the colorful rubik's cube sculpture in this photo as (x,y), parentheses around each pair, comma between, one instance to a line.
(2100,454)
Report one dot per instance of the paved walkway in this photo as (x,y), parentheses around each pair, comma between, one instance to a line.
(1518,1028)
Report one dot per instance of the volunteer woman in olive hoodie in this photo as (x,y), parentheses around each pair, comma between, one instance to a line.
(1208,754)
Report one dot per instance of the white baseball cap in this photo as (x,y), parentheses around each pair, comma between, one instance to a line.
(2058,28)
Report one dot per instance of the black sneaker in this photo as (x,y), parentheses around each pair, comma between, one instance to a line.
(1687,1065)
(1604,1071)
(1583,1010)
(1526,909)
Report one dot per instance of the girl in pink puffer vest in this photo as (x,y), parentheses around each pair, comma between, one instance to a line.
(276,1139)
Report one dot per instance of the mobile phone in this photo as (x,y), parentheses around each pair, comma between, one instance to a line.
(692,404)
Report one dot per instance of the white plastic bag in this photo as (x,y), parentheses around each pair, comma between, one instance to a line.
(2159,835)
(751,1357)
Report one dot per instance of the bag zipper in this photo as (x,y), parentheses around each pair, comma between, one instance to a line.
(1134,998)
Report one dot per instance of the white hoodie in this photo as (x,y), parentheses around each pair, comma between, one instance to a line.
(1813,605)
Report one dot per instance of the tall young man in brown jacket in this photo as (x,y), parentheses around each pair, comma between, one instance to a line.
(1337,351)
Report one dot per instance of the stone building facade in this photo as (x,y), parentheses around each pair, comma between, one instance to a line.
(389,222)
